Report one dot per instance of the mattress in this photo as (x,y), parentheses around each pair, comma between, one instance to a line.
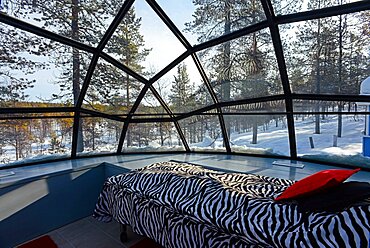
(183,205)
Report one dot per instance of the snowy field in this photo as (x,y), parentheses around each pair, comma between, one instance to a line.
(275,140)
(272,140)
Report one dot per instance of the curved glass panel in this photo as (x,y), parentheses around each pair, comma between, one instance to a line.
(243,68)
(180,18)
(327,56)
(111,90)
(258,134)
(99,135)
(201,21)
(150,106)
(203,133)
(149,137)
(143,42)
(84,21)
(295,6)
(182,88)
(37,72)
(332,138)
(34,139)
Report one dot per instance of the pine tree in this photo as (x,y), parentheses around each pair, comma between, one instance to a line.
(182,93)
(127,45)
(17,48)
(181,90)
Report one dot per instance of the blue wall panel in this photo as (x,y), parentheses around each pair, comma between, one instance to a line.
(112,170)
(33,208)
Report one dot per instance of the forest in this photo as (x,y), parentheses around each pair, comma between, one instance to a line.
(323,56)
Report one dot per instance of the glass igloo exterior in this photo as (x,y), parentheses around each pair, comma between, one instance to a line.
(263,78)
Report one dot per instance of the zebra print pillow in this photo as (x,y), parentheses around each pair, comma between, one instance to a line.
(181,205)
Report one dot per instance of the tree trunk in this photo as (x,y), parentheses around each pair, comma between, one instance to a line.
(255,129)
(161,133)
(76,69)
(116,132)
(16,143)
(340,121)
(339,131)
(317,107)
(225,84)
(128,133)
(93,138)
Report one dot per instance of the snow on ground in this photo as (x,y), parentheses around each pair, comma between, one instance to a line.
(348,150)
(275,140)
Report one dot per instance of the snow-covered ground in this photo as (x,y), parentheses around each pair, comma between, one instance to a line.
(276,138)
(273,140)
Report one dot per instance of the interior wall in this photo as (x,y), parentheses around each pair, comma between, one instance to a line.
(33,208)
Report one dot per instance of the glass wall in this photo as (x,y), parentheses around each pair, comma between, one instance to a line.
(84,22)
(38,72)
(327,55)
(242,68)
(332,138)
(204,21)
(258,134)
(35,138)
(98,135)
(183,89)
(149,137)
(143,42)
(203,133)
(291,7)
(111,90)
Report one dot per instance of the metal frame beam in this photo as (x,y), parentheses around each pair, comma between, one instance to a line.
(231,36)
(324,97)
(115,23)
(44,33)
(276,40)
(324,12)
(159,11)
(123,67)
(169,112)
(225,135)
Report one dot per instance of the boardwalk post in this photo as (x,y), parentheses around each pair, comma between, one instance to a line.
(335,140)
(311,142)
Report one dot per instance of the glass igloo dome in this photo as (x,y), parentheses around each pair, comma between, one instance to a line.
(261,77)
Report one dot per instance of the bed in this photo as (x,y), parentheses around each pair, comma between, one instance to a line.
(185,205)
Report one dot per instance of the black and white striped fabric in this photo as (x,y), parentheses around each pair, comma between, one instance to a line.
(181,205)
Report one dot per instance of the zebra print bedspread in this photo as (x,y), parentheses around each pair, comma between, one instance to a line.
(182,205)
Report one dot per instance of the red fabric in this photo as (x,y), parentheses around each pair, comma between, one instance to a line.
(42,242)
(146,243)
(315,183)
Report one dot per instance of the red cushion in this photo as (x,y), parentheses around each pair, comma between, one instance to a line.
(315,183)
(44,241)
